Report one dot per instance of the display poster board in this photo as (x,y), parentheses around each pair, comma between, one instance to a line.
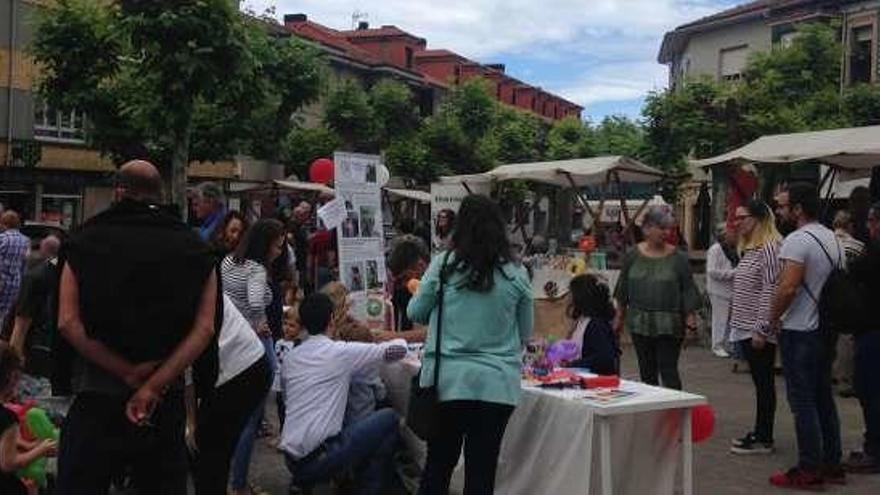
(448,196)
(360,234)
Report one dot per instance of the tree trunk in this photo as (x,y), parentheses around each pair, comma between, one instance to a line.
(179,162)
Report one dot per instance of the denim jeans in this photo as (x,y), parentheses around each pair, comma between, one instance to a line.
(806,359)
(241,460)
(367,446)
(867,386)
(658,359)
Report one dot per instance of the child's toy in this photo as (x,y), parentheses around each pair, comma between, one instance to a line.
(34,424)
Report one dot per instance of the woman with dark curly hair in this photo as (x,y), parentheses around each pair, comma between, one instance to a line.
(228,234)
(484,319)
(592,312)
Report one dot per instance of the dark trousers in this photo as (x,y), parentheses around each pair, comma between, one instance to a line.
(658,359)
(480,427)
(806,360)
(367,446)
(867,386)
(221,418)
(98,441)
(761,364)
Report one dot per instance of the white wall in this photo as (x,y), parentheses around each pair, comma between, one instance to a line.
(704,49)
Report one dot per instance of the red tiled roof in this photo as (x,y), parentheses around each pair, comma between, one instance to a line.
(437,54)
(384,31)
(332,38)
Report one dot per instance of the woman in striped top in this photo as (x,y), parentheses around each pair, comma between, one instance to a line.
(754,284)
(245,275)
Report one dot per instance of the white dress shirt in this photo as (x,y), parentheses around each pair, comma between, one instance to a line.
(316,376)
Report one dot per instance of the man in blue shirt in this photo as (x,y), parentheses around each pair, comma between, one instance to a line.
(210,208)
(14,248)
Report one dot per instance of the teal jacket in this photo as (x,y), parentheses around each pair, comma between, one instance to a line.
(483,333)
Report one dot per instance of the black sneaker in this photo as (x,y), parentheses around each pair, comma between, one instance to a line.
(748,438)
(753,447)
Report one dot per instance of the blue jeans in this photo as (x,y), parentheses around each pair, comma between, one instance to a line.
(867,386)
(241,460)
(806,360)
(367,446)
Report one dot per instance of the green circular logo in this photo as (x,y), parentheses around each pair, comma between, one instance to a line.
(374,308)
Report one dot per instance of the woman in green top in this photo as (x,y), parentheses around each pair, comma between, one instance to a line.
(656,300)
(487,315)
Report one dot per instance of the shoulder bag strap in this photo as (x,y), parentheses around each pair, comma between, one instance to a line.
(830,262)
(440,319)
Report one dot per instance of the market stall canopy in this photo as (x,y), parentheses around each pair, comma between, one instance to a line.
(305,186)
(851,148)
(581,171)
(416,195)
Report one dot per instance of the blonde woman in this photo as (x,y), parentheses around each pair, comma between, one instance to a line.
(754,283)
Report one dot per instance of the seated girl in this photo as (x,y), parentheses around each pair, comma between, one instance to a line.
(15,452)
(592,313)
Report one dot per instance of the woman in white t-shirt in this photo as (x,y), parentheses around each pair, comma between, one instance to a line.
(214,427)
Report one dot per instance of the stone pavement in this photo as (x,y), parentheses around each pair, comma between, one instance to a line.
(716,471)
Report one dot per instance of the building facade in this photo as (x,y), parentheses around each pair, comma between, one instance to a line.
(373,53)
(718,46)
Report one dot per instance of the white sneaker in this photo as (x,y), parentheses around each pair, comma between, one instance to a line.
(720,352)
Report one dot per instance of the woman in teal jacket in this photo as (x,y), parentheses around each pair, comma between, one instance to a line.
(487,317)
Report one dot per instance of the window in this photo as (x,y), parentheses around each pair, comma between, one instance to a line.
(409,57)
(860,61)
(732,62)
(786,39)
(56,125)
(513,96)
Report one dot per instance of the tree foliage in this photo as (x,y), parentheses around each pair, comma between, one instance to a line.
(395,111)
(199,81)
(347,112)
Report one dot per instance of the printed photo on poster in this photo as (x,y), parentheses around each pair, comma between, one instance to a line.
(353,276)
(368,222)
(350,227)
(373,281)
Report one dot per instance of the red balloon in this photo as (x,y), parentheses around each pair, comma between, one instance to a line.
(321,171)
(702,422)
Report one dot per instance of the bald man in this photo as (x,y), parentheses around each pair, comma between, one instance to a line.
(137,303)
(14,248)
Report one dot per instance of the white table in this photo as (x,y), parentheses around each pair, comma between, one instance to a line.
(551,435)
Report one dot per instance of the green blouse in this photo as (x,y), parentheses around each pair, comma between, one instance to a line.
(658,293)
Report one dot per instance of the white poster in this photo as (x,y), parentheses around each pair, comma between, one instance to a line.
(333,213)
(361,244)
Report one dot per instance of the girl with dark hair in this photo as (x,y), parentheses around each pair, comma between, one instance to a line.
(229,233)
(246,280)
(485,317)
(12,457)
(592,312)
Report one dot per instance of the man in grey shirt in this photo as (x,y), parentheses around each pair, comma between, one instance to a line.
(807,255)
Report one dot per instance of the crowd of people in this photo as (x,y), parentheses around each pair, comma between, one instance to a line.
(770,277)
(171,340)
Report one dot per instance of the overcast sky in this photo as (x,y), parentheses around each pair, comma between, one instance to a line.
(599,53)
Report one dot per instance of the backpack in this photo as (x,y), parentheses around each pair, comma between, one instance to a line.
(842,308)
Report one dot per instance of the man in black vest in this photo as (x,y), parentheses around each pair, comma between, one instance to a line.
(137,306)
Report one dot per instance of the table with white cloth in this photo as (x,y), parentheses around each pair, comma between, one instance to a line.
(558,442)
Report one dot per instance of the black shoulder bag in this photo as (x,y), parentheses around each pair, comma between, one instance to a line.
(422,411)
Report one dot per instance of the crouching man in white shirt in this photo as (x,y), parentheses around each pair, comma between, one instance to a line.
(315,377)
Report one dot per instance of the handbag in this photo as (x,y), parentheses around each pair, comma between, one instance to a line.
(422,411)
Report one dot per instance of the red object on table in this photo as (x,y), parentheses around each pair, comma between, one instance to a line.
(321,171)
(602,381)
(702,423)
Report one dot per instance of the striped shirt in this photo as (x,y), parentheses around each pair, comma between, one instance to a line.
(247,285)
(754,285)
(852,247)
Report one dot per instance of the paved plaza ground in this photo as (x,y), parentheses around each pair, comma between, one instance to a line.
(716,471)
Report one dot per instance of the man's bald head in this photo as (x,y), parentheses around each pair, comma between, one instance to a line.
(139,180)
(10,220)
(49,247)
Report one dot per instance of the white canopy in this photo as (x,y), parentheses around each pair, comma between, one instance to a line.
(582,171)
(852,148)
(414,194)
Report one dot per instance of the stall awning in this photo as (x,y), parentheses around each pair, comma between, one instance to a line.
(581,172)
(851,148)
(416,195)
(305,187)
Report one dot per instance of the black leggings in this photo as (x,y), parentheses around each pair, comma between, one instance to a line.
(221,418)
(658,356)
(480,427)
(763,376)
